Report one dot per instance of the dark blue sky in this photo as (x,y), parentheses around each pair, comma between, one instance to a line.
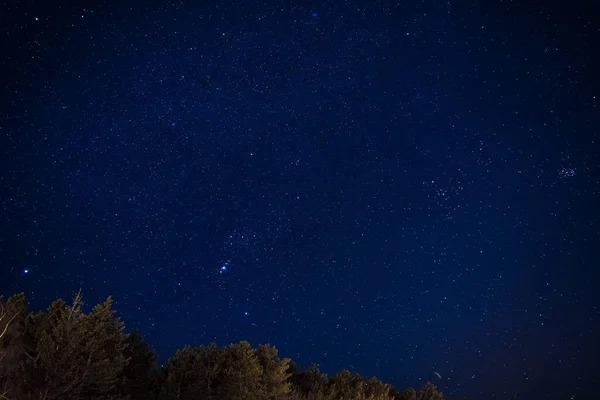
(398,189)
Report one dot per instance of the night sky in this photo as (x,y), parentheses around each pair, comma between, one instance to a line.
(394,188)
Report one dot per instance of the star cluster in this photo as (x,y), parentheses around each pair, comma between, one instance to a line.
(404,189)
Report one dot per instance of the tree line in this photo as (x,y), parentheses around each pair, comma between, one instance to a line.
(64,353)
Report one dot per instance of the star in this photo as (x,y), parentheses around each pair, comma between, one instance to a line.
(341,182)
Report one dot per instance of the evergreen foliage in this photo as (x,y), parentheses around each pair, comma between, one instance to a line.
(63,353)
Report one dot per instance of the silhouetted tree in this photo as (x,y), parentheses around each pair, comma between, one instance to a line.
(311,383)
(185,376)
(210,372)
(64,353)
(140,372)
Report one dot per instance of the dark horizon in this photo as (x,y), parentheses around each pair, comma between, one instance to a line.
(398,189)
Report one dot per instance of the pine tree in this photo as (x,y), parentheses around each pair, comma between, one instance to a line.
(430,392)
(377,390)
(59,337)
(104,349)
(346,386)
(183,380)
(274,373)
(140,372)
(210,372)
(76,355)
(64,353)
(409,394)
(241,373)
(311,382)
